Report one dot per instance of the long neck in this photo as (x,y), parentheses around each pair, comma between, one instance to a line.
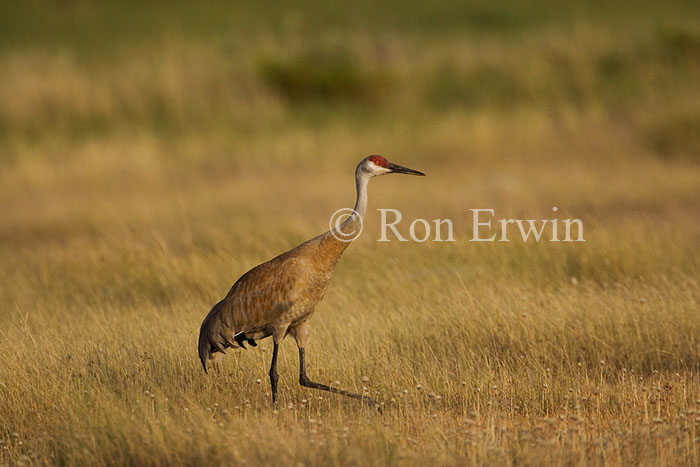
(361,181)
(340,236)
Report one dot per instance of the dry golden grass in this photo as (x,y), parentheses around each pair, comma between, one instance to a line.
(136,191)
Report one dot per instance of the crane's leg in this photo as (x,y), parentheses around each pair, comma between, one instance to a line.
(307,383)
(300,333)
(273,373)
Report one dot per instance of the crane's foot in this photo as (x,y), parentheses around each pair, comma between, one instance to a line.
(307,383)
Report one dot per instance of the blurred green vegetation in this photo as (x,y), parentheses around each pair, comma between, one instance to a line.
(77,68)
(98,27)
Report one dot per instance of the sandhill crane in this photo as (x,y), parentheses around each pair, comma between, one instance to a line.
(276,298)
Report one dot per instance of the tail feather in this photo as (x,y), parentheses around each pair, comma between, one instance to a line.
(204,348)
(210,336)
(217,334)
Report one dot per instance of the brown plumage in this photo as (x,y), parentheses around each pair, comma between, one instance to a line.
(272,297)
(276,298)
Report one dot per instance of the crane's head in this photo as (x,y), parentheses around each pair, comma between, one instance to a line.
(377,165)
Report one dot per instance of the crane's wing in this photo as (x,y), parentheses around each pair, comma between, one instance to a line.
(254,302)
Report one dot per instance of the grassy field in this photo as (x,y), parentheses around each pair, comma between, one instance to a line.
(150,155)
